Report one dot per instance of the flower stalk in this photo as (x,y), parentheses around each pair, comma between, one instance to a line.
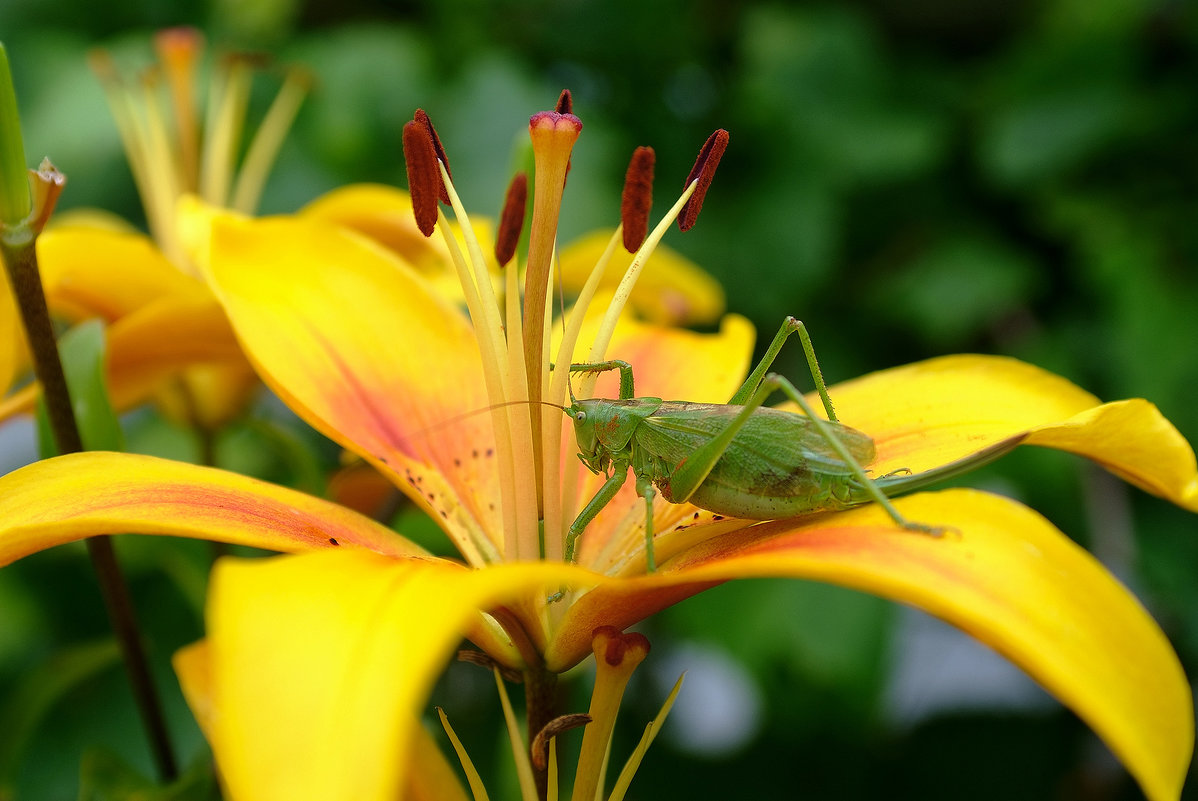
(18,237)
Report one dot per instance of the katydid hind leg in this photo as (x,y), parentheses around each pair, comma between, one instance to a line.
(790,326)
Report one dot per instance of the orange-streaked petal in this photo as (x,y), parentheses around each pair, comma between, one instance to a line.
(98,272)
(932,413)
(357,344)
(430,777)
(322,663)
(85,494)
(1002,574)
(672,290)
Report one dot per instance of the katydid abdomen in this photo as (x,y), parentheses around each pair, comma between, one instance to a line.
(778,464)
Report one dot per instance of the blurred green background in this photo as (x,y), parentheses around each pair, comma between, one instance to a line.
(910,178)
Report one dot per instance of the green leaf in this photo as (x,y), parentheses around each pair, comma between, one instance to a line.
(27,704)
(104,776)
(82,352)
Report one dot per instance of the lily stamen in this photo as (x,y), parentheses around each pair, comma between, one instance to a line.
(701,174)
(511,220)
(424,177)
(163,145)
(515,443)
(637,198)
(268,140)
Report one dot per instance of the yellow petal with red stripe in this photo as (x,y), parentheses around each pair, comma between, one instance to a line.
(357,343)
(1001,573)
(85,494)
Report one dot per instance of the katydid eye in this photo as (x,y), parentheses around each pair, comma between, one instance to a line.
(580,417)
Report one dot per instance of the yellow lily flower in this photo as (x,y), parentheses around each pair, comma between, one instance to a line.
(316,666)
(167,336)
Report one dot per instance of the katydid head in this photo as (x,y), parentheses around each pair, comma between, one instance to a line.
(583,413)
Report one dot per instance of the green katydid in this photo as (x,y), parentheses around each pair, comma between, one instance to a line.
(740,459)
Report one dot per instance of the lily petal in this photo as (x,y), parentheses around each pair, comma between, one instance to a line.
(1134,441)
(930,414)
(429,777)
(672,290)
(384,214)
(158,340)
(11,338)
(104,273)
(1002,573)
(85,494)
(358,345)
(340,631)
(172,336)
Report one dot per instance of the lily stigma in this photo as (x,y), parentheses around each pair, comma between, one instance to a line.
(329,656)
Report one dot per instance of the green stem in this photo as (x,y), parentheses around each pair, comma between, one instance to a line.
(20,258)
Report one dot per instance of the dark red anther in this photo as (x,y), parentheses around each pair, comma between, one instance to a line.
(703,171)
(565,103)
(511,221)
(424,177)
(423,119)
(637,198)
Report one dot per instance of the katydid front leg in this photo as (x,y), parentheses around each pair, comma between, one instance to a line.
(602,498)
(627,388)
